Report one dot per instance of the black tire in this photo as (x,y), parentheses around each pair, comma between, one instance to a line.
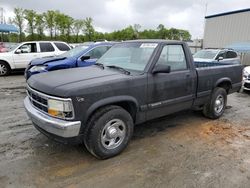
(4,69)
(95,132)
(209,109)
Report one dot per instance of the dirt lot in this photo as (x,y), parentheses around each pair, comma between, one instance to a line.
(182,150)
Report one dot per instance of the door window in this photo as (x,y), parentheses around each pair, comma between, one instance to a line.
(173,56)
(221,54)
(97,52)
(231,54)
(61,46)
(28,48)
(46,47)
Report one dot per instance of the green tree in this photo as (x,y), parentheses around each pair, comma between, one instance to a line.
(69,21)
(58,23)
(184,35)
(78,25)
(162,32)
(136,28)
(39,23)
(18,20)
(88,29)
(30,16)
(50,21)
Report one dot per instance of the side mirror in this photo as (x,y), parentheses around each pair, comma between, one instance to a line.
(83,58)
(220,58)
(18,51)
(161,69)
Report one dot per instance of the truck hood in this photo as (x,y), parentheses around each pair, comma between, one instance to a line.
(66,82)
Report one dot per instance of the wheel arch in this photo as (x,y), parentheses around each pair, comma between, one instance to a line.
(128,103)
(225,83)
(6,62)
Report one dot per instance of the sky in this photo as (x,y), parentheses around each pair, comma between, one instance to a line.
(110,15)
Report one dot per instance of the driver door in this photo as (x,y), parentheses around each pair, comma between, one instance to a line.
(174,91)
(24,54)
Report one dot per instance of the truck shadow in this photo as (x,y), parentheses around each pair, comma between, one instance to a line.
(152,128)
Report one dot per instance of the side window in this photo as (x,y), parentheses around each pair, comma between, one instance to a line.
(28,48)
(221,54)
(231,54)
(97,52)
(62,46)
(46,47)
(173,55)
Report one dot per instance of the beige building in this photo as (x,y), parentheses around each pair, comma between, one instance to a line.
(227,29)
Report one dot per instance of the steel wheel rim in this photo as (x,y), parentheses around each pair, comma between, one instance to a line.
(3,69)
(113,134)
(219,104)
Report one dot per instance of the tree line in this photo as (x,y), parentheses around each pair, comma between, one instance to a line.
(54,25)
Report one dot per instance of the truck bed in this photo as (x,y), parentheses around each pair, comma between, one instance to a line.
(210,74)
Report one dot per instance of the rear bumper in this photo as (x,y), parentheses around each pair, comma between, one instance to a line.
(50,125)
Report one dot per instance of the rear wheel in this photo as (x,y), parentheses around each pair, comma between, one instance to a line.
(109,132)
(4,69)
(216,107)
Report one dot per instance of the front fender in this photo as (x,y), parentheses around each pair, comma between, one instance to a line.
(109,100)
(9,61)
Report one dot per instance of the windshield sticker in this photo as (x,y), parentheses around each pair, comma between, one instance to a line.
(148,45)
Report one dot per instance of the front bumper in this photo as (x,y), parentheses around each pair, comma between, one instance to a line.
(58,127)
(246,85)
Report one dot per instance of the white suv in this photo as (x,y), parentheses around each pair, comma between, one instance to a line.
(20,56)
(227,56)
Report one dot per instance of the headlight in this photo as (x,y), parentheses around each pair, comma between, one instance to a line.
(38,68)
(60,109)
(245,74)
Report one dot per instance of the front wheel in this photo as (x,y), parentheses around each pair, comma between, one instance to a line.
(4,69)
(217,105)
(109,132)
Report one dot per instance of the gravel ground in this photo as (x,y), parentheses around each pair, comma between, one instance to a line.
(181,150)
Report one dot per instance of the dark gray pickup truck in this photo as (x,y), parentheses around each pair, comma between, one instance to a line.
(135,81)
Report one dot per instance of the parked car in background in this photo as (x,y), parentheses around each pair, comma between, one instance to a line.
(80,56)
(217,55)
(246,78)
(3,48)
(20,56)
(135,81)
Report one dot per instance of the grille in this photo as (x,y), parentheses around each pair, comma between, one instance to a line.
(38,100)
(247,85)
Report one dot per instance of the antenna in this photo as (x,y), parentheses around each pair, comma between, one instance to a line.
(1,15)
(204,23)
(206,9)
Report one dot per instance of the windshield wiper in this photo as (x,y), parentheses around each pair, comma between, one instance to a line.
(100,65)
(119,68)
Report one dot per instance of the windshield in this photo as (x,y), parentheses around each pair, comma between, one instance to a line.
(75,51)
(206,54)
(132,55)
